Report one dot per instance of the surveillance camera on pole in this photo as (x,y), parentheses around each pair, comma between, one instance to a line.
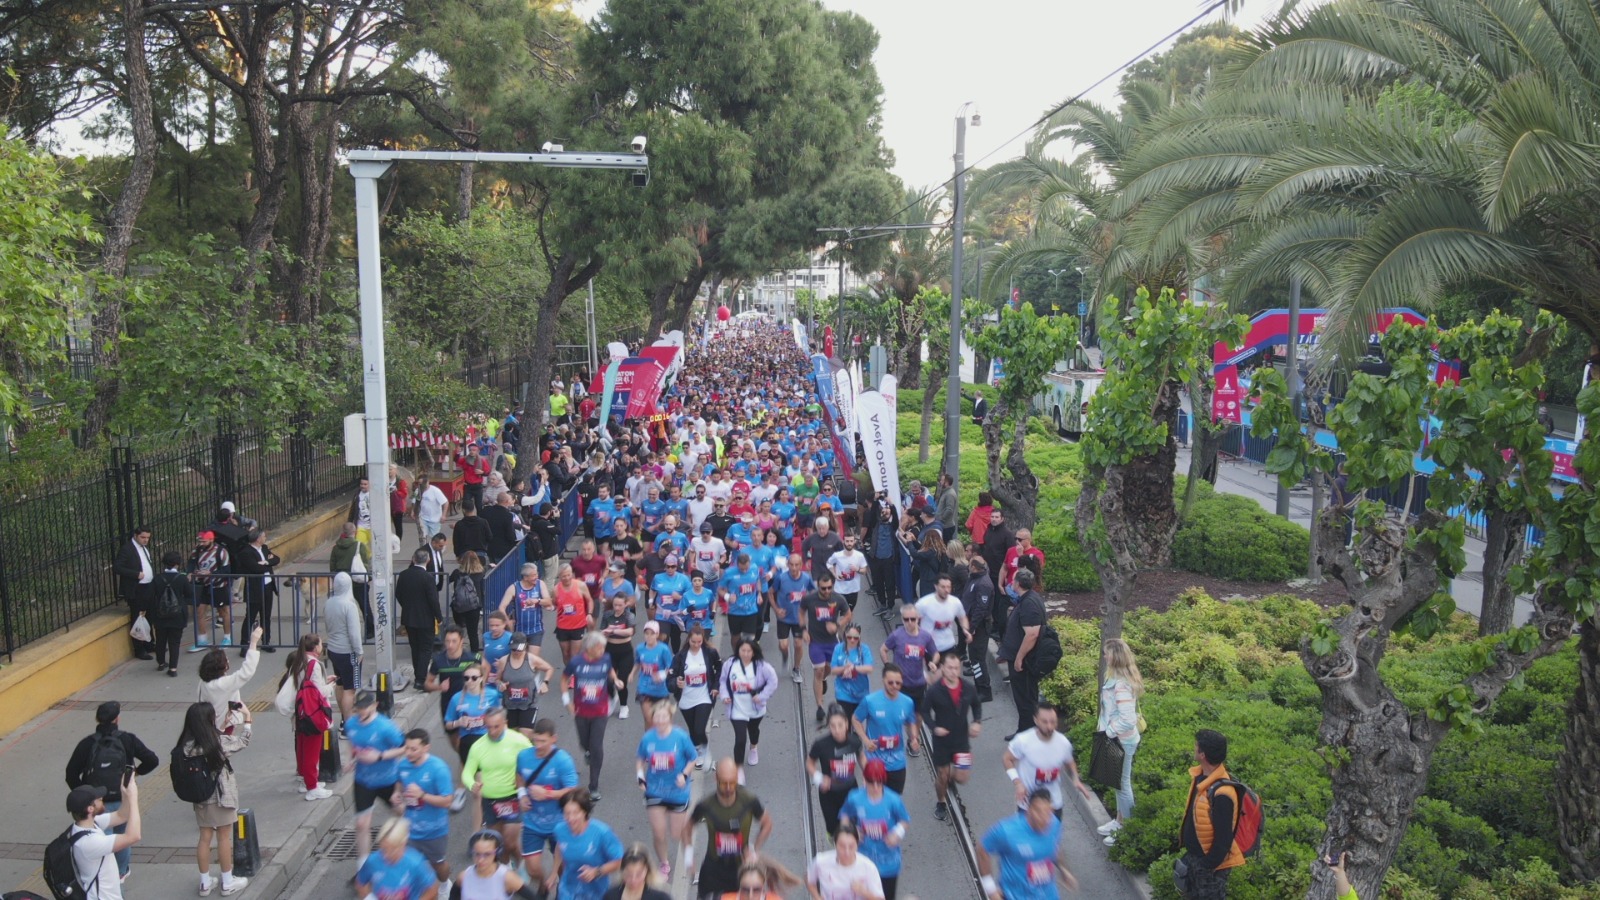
(638,143)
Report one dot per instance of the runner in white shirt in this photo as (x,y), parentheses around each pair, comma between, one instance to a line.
(706,554)
(843,873)
(717,489)
(1039,757)
(847,566)
(942,615)
(700,506)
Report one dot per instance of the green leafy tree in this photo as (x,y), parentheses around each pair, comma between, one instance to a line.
(936,312)
(1030,347)
(1379,747)
(41,289)
(1126,516)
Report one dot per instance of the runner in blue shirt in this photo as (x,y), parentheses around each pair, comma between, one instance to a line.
(697,605)
(784,509)
(666,758)
(667,592)
(1031,859)
(467,709)
(424,788)
(653,661)
(677,505)
(886,721)
(546,774)
(652,512)
(525,602)
(395,871)
(742,585)
(740,536)
(880,817)
(587,851)
(852,669)
(496,643)
(789,587)
(672,537)
(601,513)
(377,745)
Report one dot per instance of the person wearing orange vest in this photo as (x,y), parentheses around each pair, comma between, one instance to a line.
(1209,851)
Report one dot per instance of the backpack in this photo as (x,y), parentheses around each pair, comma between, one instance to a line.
(1249,821)
(464,596)
(192,780)
(169,606)
(1046,653)
(107,760)
(311,713)
(61,870)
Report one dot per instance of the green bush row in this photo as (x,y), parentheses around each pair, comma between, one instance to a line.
(1232,537)
(1484,829)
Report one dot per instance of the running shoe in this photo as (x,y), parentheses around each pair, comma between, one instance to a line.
(1109,840)
(665,870)
(794,675)
(622,713)
(752,757)
(321,793)
(941,811)
(1110,827)
(458,800)
(821,716)
(227,640)
(238,885)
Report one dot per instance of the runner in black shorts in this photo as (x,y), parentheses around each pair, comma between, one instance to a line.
(950,700)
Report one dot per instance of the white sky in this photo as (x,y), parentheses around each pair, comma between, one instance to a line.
(1018,58)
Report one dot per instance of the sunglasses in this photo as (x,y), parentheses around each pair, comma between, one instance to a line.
(911,618)
(474,678)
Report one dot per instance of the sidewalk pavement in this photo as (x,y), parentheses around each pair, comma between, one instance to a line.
(1248,479)
(163,866)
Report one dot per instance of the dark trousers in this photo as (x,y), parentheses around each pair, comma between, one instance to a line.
(1025,693)
(257,611)
(741,729)
(421,641)
(897,781)
(978,656)
(169,643)
(469,623)
(891,887)
(472,493)
(363,594)
(697,718)
(592,738)
(882,572)
(622,664)
(1204,883)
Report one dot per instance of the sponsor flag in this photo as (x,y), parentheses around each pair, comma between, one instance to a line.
(875,419)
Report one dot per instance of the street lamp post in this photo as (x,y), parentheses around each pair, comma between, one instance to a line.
(952,398)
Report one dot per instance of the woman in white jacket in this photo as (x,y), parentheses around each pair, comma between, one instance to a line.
(748,681)
(219,686)
(1119,717)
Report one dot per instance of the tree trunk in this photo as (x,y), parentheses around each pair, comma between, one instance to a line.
(565,278)
(464,191)
(660,300)
(683,302)
(1011,482)
(1502,551)
(1578,770)
(927,425)
(106,324)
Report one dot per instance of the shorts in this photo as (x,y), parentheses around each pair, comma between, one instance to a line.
(821,653)
(570,634)
(750,624)
(945,750)
(365,796)
(434,850)
(347,666)
(490,817)
(671,806)
(521,718)
(791,629)
(534,843)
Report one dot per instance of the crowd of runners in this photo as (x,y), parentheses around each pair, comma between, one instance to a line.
(725,559)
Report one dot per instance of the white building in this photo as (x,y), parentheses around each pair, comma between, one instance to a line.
(775,293)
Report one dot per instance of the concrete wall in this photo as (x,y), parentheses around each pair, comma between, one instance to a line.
(59,665)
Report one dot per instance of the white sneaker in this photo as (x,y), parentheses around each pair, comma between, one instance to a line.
(321,793)
(622,713)
(205,889)
(752,757)
(238,885)
(1110,827)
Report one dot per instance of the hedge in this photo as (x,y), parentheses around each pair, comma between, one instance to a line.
(1232,537)
(1484,829)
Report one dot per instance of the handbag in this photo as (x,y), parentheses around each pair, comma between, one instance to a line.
(284,702)
(358,568)
(1105,760)
(141,629)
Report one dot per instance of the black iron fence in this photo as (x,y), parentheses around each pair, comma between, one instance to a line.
(57,543)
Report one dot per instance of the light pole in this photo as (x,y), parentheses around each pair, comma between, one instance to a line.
(1291,361)
(366,167)
(952,397)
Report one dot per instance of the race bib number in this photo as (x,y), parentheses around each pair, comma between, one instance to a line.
(474,722)
(697,613)
(591,693)
(844,769)
(529,601)
(889,742)
(591,580)
(747,588)
(1041,872)
(824,613)
(913,651)
(650,669)
(729,844)
(506,809)
(743,687)
(696,680)
(568,609)
(1046,776)
(518,693)
(846,574)
(796,596)
(940,626)
(662,762)
(875,829)
(961,760)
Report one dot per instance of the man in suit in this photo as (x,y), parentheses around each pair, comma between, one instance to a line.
(502,526)
(472,533)
(260,589)
(435,563)
(136,574)
(418,596)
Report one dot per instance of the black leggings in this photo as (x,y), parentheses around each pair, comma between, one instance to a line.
(890,886)
(592,738)
(697,718)
(468,621)
(622,663)
(742,727)
(882,571)
(831,802)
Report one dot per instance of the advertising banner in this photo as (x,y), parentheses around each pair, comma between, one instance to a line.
(887,387)
(875,419)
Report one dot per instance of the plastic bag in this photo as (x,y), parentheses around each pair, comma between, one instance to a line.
(141,629)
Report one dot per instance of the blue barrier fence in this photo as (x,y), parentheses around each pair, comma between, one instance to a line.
(508,570)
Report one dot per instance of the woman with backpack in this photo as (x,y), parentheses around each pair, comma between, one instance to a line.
(466,597)
(215,816)
(312,711)
(1120,718)
(169,611)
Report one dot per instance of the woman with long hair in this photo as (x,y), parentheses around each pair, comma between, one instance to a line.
(487,878)
(468,708)
(590,682)
(637,881)
(1119,717)
(852,665)
(834,763)
(305,665)
(469,567)
(215,817)
(617,624)
(748,681)
(694,679)
(664,762)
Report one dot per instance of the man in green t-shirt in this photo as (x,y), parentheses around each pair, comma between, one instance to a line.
(559,404)
(731,813)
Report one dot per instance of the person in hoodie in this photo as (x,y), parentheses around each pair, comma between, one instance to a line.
(354,558)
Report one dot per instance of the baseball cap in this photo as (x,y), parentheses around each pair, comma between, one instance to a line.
(653,625)
(228,505)
(206,536)
(107,712)
(519,641)
(672,559)
(616,566)
(705,527)
(876,772)
(365,699)
(82,798)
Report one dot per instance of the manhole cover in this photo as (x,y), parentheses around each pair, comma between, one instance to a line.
(343,844)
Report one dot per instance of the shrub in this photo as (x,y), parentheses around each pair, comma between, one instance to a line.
(1233,537)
